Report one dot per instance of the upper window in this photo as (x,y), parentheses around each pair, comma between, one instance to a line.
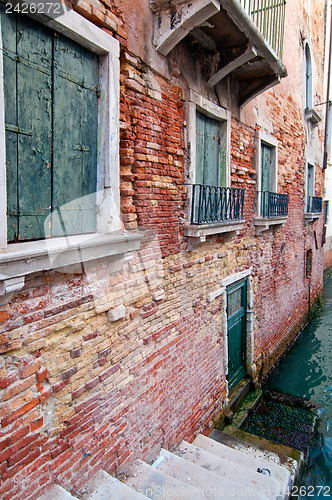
(314,203)
(268,154)
(51,122)
(210,151)
(310,181)
(60,115)
(308,78)
(270,203)
(215,207)
(310,112)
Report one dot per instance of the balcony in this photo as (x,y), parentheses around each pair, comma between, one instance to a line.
(242,39)
(274,204)
(214,210)
(273,210)
(314,208)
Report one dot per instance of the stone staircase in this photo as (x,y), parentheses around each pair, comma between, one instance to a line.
(219,468)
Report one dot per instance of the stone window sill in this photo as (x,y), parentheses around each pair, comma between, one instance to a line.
(201,231)
(264,223)
(310,217)
(312,116)
(21,259)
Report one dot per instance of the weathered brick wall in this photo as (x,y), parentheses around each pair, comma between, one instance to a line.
(108,363)
(328,253)
(152,153)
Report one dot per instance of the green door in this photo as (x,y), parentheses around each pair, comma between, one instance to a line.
(236,331)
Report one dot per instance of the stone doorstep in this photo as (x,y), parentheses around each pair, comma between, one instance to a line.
(236,397)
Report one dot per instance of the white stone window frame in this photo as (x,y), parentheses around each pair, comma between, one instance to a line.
(196,102)
(309,217)
(264,138)
(20,259)
(264,223)
(309,164)
(310,113)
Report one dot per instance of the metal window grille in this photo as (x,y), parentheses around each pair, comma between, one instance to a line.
(274,204)
(269,17)
(216,204)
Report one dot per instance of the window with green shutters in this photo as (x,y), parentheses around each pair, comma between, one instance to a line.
(51,129)
(210,151)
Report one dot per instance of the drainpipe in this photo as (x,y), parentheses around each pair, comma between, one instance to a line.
(327,134)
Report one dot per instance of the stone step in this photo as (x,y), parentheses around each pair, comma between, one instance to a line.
(250,457)
(211,484)
(231,470)
(238,394)
(157,485)
(106,487)
(55,492)
(285,456)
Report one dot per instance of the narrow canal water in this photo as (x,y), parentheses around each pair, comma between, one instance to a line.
(306,371)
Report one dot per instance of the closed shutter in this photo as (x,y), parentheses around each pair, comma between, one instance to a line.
(266,167)
(50,87)
(75,138)
(210,164)
(28,119)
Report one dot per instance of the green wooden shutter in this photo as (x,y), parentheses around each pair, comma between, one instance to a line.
(210,151)
(266,155)
(75,138)
(10,94)
(211,147)
(51,116)
(28,92)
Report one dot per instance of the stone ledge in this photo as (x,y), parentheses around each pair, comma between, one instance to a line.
(310,217)
(312,116)
(201,231)
(264,223)
(21,259)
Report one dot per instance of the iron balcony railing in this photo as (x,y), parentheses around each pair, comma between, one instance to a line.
(315,205)
(269,17)
(274,204)
(216,204)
